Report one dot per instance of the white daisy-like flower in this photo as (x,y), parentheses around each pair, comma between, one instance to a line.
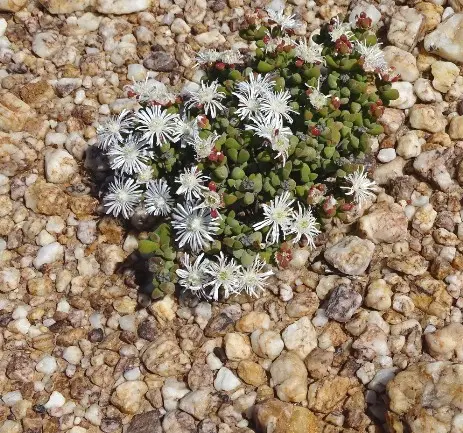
(373,57)
(225,274)
(193,276)
(309,52)
(194,227)
(231,57)
(145,175)
(278,215)
(191,183)
(338,28)
(207,56)
(131,157)
(157,125)
(248,104)
(158,200)
(286,22)
(203,146)
(257,84)
(151,90)
(208,98)
(317,98)
(266,128)
(110,132)
(304,224)
(279,142)
(275,105)
(361,188)
(211,200)
(124,195)
(253,278)
(187,128)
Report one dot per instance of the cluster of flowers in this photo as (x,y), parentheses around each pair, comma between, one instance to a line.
(235,159)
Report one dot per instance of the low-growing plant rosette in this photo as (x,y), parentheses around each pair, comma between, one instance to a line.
(253,160)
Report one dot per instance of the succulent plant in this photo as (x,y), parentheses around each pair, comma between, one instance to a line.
(255,158)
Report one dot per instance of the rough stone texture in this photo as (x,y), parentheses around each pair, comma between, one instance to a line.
(447,40)
(412,409)
(351,255)
(384,224)
(278,417)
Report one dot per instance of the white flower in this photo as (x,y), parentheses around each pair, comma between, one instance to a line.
(207,97)
(212,200)
(203,146)
(257,84)
(252,279)
(193,226)
(272,43)
(339,28)
(265,128)
(157,125)
(193,277)
(158,200)
(304,224)
(286,22)
(145,175)
(186,128)
(191,183)
(279,142)
(361,187)
(231,57)
(110,132)
(131,157)
(224,274)
(276,106)
(123,196)
(248,104)
(309,53)
(151,90)
(278,215)
(373,57)
(317,98)
(207,56)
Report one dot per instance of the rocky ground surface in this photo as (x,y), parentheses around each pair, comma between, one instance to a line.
(366,331)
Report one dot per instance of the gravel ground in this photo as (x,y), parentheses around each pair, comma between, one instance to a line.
(365,330)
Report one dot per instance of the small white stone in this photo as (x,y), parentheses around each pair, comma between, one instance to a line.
(409,145)
(9,279)
(130,244)
(320,319)
(11,398)
(93,414)
(213,362)
(44,238)
(21,326)
(55,224)
(56,400)
(3,26)
(47,365)
(132,374)
(386,155)
(89,22)
(127,323)
(72,354)
(55,138)
(136,72)
(406,96)
(46,44)
(48,254)
(172,391)
(179,27)
(20,312)
(226,380)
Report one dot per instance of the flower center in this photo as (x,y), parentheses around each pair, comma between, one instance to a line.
(195,224)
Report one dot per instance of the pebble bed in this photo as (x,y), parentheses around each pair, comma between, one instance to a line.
(363,334)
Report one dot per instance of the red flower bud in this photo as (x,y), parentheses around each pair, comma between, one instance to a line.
(214,213)
(220,66)
(131,93)
(212,186)
(299,63)
(266,39)
(220,156)
(315,131)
